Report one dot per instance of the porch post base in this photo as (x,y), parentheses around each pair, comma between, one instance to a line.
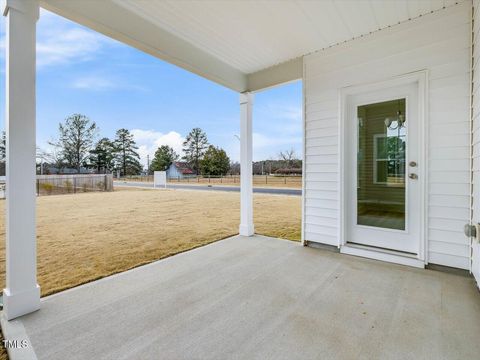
(20,303)
(246,230)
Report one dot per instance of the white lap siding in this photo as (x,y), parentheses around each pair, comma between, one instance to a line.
(476,137)
(440,43)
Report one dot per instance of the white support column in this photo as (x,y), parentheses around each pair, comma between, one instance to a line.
(22,294)
(246,179)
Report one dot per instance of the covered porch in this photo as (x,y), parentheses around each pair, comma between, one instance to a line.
(260,298)
(256,297)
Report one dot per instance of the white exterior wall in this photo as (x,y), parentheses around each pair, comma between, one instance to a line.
(439,42)
(476,137)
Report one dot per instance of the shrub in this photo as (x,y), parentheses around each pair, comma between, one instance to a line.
(68,186)
(47,187)
(101,185)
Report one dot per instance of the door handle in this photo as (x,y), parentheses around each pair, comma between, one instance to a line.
(413,176)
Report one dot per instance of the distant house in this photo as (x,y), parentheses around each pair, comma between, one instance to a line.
(179,170)
(51,169)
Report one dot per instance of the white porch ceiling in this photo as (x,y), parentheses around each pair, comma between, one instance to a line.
(254,35)
(226,41)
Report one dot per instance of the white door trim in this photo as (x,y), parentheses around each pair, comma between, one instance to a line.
(421,78)
(387,256)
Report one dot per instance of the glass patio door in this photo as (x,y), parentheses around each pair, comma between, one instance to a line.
(382,155)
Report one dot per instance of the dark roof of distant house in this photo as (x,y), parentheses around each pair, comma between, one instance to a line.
(183,167)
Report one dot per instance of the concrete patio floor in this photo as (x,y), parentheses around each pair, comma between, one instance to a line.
(261,298)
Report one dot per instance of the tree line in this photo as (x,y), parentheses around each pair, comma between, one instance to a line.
(202,157)
(77,148)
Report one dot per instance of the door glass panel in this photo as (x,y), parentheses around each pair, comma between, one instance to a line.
(381,164)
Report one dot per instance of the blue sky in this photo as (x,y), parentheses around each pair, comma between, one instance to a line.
(80,71)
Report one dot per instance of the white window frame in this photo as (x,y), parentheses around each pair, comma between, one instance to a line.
(376,160)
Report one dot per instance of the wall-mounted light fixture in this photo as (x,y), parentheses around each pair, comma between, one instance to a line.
(395,122)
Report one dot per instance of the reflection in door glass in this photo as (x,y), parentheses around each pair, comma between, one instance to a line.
(381,164)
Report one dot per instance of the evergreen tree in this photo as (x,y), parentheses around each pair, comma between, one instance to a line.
(163,158)
(3,153)
(127,159)
(194,148)
(77,135)
(3,146)
(102,156)
(215,162)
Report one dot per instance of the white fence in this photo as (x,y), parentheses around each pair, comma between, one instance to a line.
(74,183)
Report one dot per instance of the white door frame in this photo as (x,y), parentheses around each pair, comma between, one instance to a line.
(419,77)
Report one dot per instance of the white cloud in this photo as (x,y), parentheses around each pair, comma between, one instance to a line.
(61,42)
(102,83)
(284,112)
(263,141)
(68,46)
(149,140)
(278,127)
(93,83)
(266,147)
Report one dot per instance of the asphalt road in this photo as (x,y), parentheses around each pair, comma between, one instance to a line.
(277,191)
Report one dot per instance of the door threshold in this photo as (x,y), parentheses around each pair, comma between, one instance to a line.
(382,255)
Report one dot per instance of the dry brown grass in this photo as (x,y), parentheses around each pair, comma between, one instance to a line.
(84,237)
(267,181)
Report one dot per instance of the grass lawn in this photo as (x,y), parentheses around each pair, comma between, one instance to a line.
(269,181)
(84,237)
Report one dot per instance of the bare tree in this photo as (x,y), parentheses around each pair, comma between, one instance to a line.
(288,157)
(54,156)
(234,168)
(77,136)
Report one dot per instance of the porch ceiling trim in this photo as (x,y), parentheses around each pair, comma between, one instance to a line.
(278,74)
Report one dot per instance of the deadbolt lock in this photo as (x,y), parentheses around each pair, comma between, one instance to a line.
(412,163)
(470,230)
